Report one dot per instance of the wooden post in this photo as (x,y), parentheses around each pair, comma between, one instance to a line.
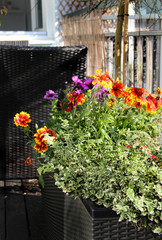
(161,57)
(118,38)
(125,43)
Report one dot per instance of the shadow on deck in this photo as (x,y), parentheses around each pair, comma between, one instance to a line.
(21,214)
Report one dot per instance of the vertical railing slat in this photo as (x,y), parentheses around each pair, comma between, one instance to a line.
(135,61)
(144,75)
(149,62)
(144,60)
(154,82)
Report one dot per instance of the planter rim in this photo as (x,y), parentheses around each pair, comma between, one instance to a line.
(97,211)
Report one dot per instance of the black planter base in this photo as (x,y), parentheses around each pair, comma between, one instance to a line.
(69,219)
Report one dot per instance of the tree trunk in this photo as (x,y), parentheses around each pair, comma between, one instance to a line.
(125,43)
(118,39)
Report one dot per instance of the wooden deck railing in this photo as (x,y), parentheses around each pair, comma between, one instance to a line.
(144,52)
(144,58)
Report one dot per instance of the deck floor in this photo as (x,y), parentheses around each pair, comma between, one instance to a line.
(21,214)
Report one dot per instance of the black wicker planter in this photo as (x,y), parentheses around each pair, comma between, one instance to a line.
(69,219)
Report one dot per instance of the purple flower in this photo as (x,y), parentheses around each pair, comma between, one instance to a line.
(50,95)
(79,91)
(80,84)
(101,94)
(76,80)
(88,83)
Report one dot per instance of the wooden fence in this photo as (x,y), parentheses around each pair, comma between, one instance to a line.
(97,32)
(87,30)
(144,59)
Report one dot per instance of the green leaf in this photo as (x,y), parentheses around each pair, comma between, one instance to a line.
(157,230)
(130,194)
(139,203)
(158,189)
(41,180)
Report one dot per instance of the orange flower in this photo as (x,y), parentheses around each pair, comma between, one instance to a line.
(80,99)
(138,105)
(138,94)
(152,103)
(160,101)
(76,98)
(28,161)
(102,78)
(111,102)
(51,133)
(41,147)
(22,119)
(159,91)
(129,99)
(40,135)
(41,144)
(117,89)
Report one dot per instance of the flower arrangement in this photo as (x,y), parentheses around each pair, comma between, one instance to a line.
(102,142)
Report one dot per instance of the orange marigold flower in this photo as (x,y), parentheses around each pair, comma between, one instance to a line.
(160,101)
(129,99)
(22,119)
(51,133)
(40,135)
(111,102)
(28,161)
(152,103)
(102,79)
(41,147)
(138,94)
(80,99)
(159,91)
(41,143)
(76,98)
(117,89)
(138,105)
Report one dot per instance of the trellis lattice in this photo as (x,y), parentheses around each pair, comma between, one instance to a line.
(65,7)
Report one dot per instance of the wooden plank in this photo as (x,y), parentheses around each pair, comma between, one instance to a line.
(149,63)
(135,61)
(131,61)
(139,61)
(144,74)
(136,16)
(137,33)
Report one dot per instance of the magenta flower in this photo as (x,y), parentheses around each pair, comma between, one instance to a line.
(76,80)
(79,91)
(88,83)
(85,85)
(101,94)
(50,95)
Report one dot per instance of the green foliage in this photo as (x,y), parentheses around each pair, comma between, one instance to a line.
(102,142)
(109,155)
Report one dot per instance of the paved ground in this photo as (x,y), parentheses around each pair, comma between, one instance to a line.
(21,215)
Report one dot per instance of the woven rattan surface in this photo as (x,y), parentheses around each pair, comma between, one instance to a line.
(112,229)
(69,219)
(26,73)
